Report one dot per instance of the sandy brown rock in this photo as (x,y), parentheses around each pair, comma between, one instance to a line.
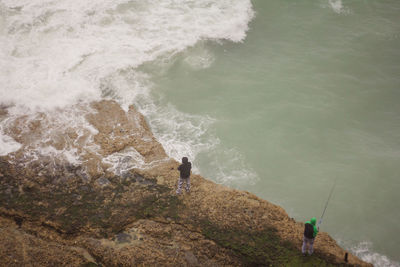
(119,129)
(126,213)
(154,243)
(19,248)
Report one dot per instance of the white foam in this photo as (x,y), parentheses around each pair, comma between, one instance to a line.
(229,167)
(180,133)
(364,251)
(338,7)
(55,129)
(8,145)
(69,155)
(124,161)
(199,58)
(192,136)
(57,52)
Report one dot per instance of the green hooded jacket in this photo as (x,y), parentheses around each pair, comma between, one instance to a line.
(313,222)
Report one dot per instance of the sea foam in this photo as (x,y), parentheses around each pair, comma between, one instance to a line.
(338,7)
(56,53)
(59,53)
(365,252)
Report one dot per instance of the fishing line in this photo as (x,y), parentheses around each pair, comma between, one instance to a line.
(327,202)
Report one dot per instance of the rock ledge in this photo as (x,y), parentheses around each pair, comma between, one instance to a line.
(116,205)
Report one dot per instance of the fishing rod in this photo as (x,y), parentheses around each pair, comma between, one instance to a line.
(327,202)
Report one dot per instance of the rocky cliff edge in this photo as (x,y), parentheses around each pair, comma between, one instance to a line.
(113,203)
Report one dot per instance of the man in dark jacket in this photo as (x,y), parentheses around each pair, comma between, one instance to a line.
(310,232)
(184,170)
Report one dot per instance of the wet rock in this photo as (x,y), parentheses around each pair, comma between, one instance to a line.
(142,180)
(84,188)
(102,182)
(77,196)
(123,238)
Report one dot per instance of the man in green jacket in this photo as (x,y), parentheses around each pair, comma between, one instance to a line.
(310,232)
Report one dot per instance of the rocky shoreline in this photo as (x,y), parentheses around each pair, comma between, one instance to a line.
(106,211)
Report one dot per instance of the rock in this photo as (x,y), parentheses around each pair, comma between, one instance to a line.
(124,211)
(102,182)
(19,248)
(160,180)
(123,238)
(191,258)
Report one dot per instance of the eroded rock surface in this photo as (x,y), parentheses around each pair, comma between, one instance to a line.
(112,202)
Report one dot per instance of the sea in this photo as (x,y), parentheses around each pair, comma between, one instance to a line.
(297,102)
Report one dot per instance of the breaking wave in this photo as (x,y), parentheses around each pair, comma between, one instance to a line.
(365,252)
(56,54)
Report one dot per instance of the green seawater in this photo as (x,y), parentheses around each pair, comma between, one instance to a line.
(311,97)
